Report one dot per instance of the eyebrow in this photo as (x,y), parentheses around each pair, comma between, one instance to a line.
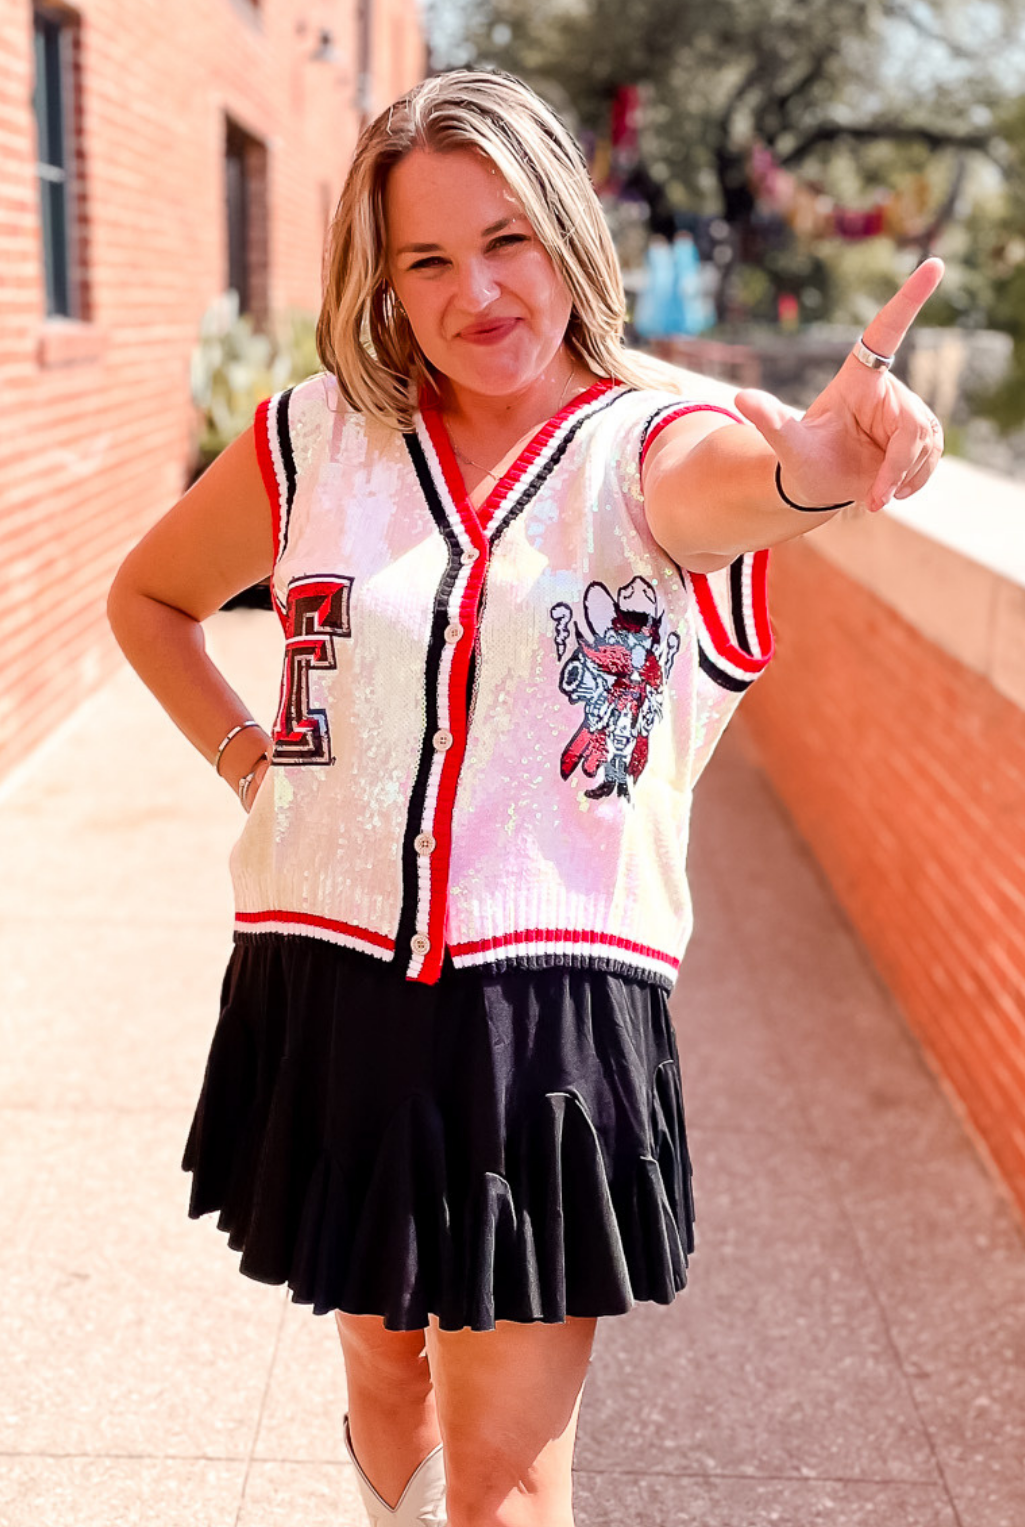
(486,233)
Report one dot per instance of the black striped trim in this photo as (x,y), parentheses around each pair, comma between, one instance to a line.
(435,648)
(737,605)
(726,680)
(735,643)
(288,465)
(669,413)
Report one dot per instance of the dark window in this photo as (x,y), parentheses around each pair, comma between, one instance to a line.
(238,216)
(52,115)
(245,167)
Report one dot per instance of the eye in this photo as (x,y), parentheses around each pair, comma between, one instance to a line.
(507,239)
(429,262)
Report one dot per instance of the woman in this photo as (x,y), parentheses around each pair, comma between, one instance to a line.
(443,1095)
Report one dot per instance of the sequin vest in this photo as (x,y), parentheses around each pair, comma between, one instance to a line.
(491,721)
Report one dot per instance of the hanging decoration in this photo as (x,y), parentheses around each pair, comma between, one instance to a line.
(902,215)
(616,155)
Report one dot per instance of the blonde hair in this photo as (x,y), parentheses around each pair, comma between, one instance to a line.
(363,335)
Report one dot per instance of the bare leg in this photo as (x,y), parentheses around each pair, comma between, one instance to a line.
(508,1402)
(393,1417)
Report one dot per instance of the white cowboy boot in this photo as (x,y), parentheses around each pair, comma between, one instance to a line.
(422,1502)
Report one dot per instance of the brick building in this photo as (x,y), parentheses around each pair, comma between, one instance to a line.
(153,156)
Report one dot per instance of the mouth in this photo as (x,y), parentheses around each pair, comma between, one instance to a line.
(488,331)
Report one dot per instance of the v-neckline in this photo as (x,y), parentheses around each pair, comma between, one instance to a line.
(483,513)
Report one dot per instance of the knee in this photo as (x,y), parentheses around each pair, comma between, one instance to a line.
(393,1360)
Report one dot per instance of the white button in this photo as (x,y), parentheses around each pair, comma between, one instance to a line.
(425,843)
(420,943)
(442,741)
(469,555)
(453,633)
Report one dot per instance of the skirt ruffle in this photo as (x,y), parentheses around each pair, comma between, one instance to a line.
(504,1147)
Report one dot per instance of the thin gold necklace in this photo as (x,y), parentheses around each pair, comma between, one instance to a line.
(487,470)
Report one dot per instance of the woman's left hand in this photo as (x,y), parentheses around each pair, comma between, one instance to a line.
(866,436)
(260,769)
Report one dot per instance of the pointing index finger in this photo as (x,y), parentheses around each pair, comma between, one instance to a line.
(891,324)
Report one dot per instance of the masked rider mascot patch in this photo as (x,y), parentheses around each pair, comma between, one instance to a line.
(617,671)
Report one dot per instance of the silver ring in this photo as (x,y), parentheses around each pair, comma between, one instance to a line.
(869,357)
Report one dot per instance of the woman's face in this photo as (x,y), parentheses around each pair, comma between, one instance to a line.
(481,293)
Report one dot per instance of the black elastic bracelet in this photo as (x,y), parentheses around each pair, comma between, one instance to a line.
(805,508)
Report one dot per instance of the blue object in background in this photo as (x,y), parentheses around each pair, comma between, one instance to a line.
(656,303)
(673,299)
(692,313)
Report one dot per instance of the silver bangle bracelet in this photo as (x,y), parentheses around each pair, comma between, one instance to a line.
(247,779)
(233,733)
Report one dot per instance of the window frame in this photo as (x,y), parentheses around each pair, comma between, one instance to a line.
(246,169)
(62,289)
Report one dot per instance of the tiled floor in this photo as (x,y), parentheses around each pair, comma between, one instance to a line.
(851,1350)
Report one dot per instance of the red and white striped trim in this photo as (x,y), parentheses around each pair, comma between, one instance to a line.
(272,470)
(347,935)
(533,460)
(715,638)
(724,652)
(453,668)
(529,943)
(675,411)
(451,681)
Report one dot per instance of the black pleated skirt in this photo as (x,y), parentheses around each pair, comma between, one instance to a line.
(494,1147)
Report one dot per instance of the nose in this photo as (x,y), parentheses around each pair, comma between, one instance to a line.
(476,286)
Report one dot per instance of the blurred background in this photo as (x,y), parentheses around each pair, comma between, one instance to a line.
(771,170)
(852,1012)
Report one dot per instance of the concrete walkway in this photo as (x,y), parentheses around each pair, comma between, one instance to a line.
(851,1350)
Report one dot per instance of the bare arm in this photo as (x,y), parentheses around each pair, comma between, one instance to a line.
(215,541)
(710,494)
(710,488)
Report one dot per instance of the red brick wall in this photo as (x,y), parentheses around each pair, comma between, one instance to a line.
(96,423)
(905,772)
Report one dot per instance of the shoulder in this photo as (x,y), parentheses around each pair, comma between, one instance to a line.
(635,417)
(316,399)
(308,424)
(684,395)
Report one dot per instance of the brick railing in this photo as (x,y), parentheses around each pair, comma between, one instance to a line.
(892,724)
(739,364)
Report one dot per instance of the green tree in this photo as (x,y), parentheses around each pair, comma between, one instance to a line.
(994,256)
(891,83)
